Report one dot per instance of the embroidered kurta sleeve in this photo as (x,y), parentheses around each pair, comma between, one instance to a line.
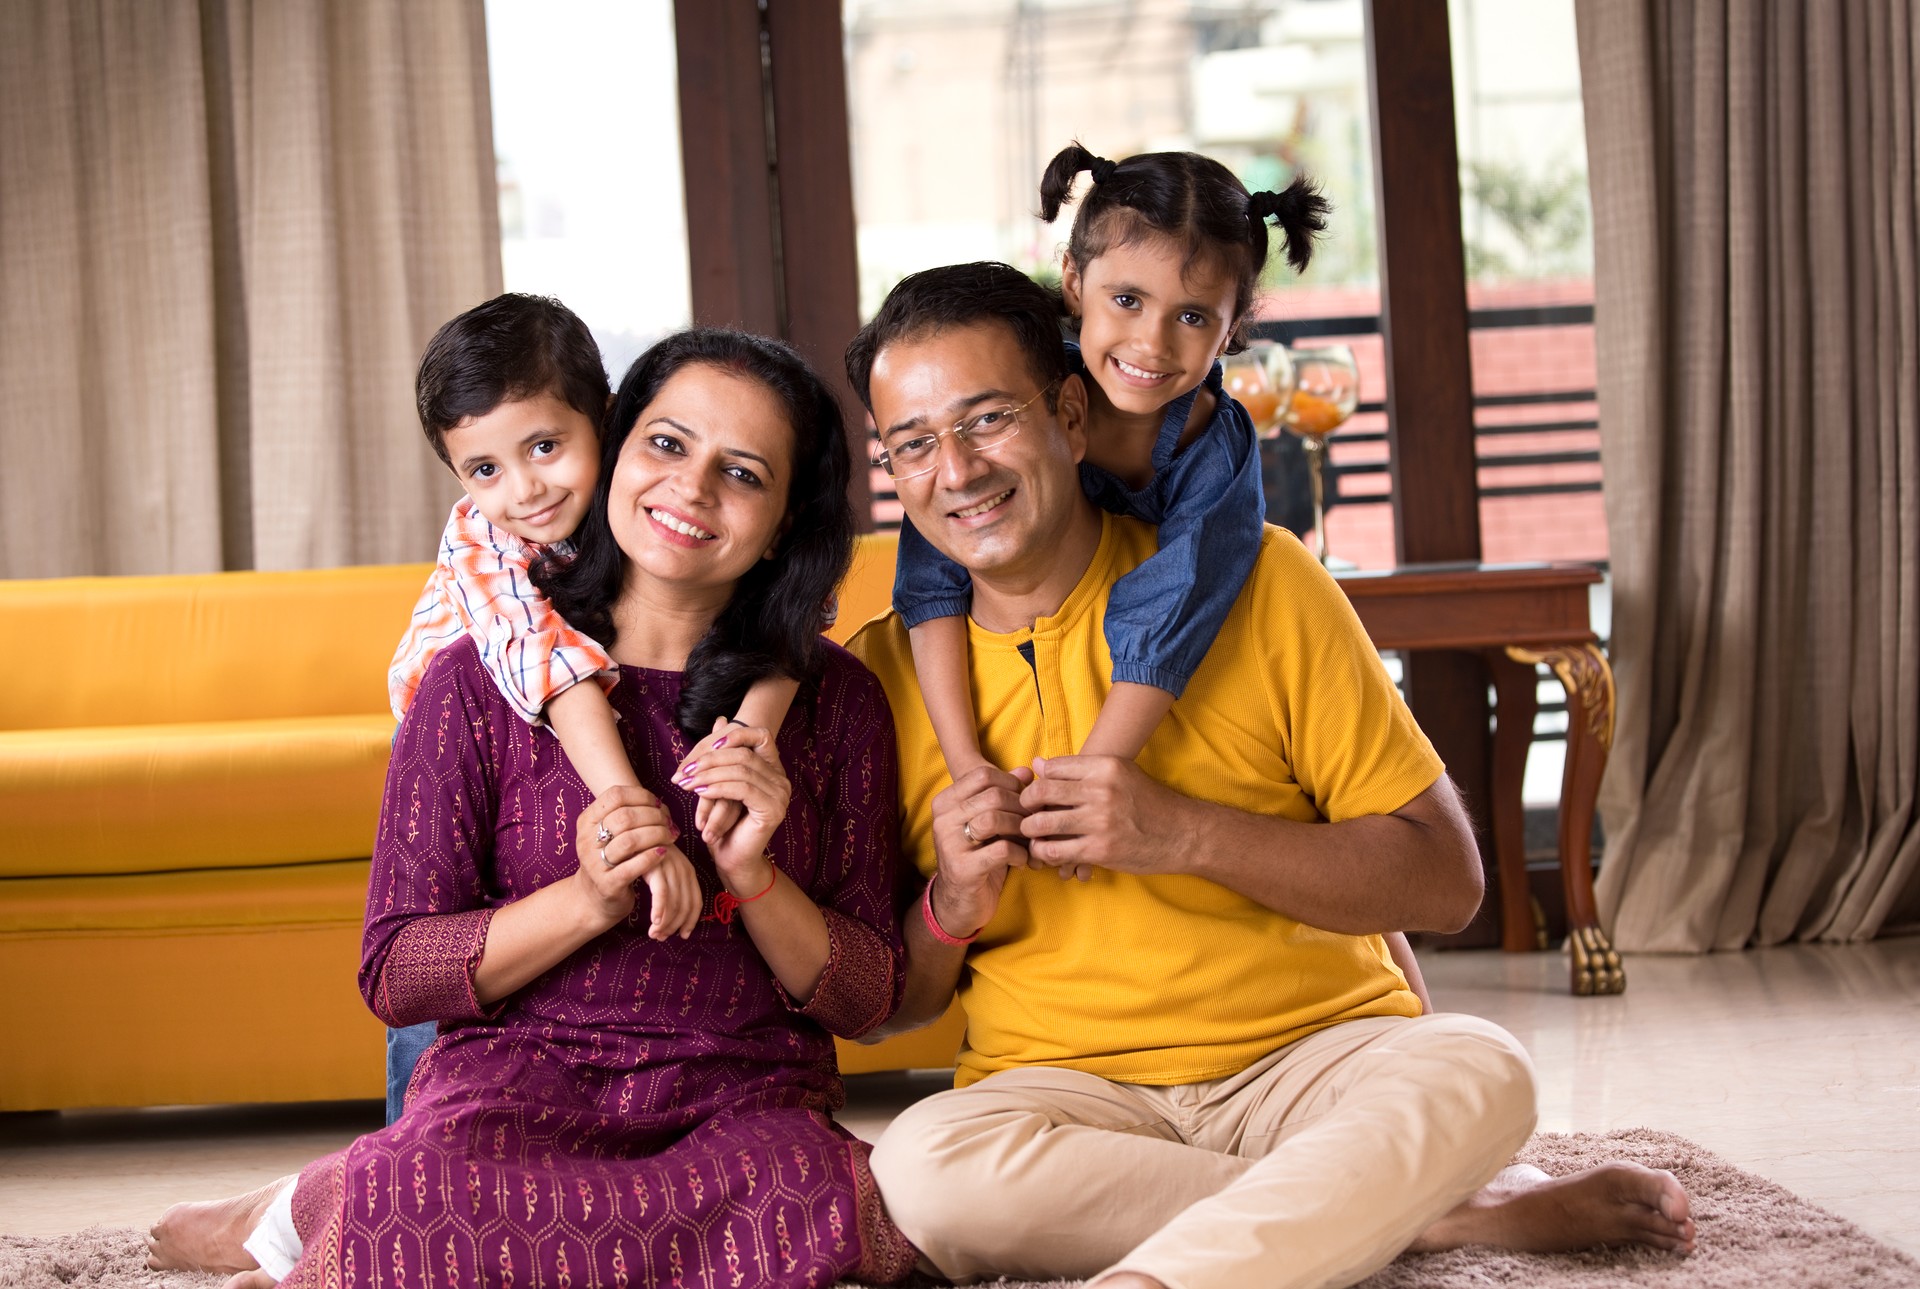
(531,652)
(427,903)
(859,859)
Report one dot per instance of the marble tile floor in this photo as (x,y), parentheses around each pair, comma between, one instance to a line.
(1801,1064)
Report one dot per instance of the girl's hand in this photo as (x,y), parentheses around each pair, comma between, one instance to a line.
(746,770)
(713,816)
(638,838)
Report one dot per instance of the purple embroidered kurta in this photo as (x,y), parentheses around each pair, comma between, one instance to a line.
(644,1113)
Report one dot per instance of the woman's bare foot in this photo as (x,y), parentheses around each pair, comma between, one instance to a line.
(1524,1209)
(210,1235)
(254,1279)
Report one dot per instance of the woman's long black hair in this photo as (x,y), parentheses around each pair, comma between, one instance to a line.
(772,624)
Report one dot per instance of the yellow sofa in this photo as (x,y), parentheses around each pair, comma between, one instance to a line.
(190,774)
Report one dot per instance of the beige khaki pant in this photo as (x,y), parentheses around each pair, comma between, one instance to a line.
(1315,1166)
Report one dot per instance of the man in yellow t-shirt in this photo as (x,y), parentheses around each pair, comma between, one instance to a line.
(1201,1067)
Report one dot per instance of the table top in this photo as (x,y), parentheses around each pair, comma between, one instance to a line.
(1473,606)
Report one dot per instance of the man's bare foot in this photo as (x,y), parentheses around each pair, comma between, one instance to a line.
(1524,1209)
(254,1279)
(210,1235)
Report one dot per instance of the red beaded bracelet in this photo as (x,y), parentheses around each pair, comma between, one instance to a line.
(933,923)
(726,902)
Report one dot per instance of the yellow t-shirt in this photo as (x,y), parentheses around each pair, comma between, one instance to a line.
(1171,979)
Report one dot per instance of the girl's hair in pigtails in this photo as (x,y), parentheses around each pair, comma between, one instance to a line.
(1198,206)
(1300,211)
(1056,185)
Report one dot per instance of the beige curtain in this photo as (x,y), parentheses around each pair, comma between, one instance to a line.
(226,230)
(1758,312)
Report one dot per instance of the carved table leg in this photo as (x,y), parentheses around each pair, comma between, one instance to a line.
(1583,671)
(1515,703)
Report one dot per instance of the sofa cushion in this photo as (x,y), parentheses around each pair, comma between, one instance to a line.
(202,646)
(225,899)
(215,794)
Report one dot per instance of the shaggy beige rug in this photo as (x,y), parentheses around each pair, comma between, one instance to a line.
(1752,1233)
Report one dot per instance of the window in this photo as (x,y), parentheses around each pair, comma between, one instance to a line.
(586,128)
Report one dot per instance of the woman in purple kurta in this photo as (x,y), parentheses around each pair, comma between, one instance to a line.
(643,1112)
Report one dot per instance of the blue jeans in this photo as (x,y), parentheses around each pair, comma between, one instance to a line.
(403,1053)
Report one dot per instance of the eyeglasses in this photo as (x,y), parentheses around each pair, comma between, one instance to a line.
(918,455)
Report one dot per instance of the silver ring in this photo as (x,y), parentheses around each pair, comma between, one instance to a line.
(603,836)
(967,829)
(603,858)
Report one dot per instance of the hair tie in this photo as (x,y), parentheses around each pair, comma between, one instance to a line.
(1263,205)
(1102,169)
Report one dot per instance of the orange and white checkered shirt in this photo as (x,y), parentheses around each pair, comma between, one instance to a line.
(481,586)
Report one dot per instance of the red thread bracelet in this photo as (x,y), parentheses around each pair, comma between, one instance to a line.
(726,902)
(933,923)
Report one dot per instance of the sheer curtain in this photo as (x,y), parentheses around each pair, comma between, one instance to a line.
(226,231)
(1758,308)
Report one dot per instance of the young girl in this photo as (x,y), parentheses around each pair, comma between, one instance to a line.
(1159,275)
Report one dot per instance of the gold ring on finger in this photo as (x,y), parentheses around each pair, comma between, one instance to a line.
(967,829)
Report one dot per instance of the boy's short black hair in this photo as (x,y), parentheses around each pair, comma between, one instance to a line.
(964,295)
(512,347)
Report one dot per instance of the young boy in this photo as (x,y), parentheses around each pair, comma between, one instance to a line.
(511,394)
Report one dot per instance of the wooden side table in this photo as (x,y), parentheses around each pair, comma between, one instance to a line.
(1515,616)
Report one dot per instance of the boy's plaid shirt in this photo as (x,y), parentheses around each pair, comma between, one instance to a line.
(481,587)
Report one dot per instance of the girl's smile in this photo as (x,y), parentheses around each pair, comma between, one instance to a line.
(1149,331)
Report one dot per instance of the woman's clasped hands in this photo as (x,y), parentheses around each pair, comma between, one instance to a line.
(624,839)
(739,769)
(627,837)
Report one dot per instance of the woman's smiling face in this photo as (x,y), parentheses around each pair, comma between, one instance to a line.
(699,494)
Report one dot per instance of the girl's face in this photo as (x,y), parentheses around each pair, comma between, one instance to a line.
(1148,333)
(699,493)
(529,465)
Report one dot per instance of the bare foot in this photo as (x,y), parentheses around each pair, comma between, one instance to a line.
(209,1235)
(1524,1209)
(1125,1280)
(254,1279)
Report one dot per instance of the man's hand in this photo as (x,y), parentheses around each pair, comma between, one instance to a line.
(1106,812)
(976,839)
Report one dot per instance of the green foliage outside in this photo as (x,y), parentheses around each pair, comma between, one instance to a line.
(1519,224)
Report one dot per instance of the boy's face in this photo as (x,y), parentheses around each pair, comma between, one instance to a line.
(529,465)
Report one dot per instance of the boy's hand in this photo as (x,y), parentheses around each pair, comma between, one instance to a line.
(675,892)
(713,817)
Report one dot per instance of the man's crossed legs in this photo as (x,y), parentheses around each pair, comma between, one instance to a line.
(1316,1166)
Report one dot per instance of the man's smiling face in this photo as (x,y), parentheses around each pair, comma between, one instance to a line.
(1000,511)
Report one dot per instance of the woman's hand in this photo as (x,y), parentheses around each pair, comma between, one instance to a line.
(713,816)
(639,844)
(745,770)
